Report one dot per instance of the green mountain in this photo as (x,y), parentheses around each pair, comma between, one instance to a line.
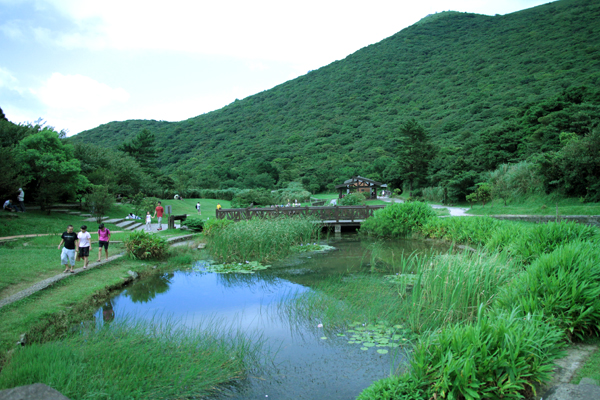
(488,90)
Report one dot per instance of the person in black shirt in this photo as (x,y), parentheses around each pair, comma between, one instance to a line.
(69,238)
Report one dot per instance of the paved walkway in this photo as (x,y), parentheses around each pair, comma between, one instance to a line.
(49,281)
(454,211)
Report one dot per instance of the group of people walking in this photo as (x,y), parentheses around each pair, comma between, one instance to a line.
(79,245)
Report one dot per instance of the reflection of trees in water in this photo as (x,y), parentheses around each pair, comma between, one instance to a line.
(146,289)
(108,313)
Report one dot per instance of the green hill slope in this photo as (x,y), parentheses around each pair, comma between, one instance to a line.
(487,89)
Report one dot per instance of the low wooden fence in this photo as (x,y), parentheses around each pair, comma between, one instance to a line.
(325,214)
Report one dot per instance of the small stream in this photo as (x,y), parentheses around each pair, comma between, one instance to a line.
(305,366)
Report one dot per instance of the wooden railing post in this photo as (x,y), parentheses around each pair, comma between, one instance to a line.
(337,213)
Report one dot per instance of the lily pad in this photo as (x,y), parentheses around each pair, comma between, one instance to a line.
(324,338)
(364,348)
(369,344)
(382,351)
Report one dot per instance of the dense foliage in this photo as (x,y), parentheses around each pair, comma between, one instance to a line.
(487,90)
(397,220)
(144,246)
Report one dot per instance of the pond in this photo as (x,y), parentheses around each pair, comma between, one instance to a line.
(305,366)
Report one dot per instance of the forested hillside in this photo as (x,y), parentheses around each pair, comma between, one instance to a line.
(487,91)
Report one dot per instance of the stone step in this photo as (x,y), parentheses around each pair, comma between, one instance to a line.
(128,223)
(117,220)
(86,215)
(74,212)
(92,219)
(60,210)
(134,226)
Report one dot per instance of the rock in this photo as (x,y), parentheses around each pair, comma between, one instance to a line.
(22,340)
(568,391)
(201,246)
(154,267)
(133,274)
(588,381)
(37,391)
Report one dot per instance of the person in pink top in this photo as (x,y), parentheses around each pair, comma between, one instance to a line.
(103,239)
(158,212)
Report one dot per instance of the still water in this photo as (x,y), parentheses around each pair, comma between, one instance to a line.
(304,366)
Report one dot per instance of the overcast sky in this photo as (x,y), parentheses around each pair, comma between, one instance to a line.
(77,64)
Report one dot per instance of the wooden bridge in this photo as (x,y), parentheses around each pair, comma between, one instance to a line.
(337,216)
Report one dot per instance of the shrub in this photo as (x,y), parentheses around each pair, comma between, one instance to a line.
(142,245)
(564,285)
(434,194)
(544,238)
(499,356)
(249,197)
(99,201)
(195,224)
(352,199)
(141,204)
(398,220)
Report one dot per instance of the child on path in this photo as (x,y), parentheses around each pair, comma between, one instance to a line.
(85,245)
(69,238)
(148,221)
(103,239)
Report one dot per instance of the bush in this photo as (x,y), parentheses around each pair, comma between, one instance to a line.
(499,356)
(99,202)
(564,285)
(249,197)
(434,194)
(397,220)
(142,204)
(352,199)
(195,224)
(143,246)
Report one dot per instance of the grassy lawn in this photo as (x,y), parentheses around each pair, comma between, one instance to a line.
(208,207)
(536,205)
(61,299)
(29,260)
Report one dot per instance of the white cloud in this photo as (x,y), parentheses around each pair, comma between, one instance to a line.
(78,92)
(8,81)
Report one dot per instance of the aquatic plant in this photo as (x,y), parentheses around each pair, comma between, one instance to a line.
(262,240)
(138,359)
(247,267)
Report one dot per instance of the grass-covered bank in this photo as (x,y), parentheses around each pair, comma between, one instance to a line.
(137,359)
(120,361)
(490,323)
(537,205)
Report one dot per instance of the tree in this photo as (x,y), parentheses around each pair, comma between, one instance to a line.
(414,153)
(99,201)
(49,168)
(142,149)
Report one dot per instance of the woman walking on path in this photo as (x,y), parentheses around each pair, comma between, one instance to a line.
(148,221)
(85,245)
(69,238)
(103,239)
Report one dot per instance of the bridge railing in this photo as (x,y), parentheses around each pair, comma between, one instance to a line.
(324,213)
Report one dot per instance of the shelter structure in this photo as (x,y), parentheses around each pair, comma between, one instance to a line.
(360,184)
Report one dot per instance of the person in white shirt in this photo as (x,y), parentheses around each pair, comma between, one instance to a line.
(85,245)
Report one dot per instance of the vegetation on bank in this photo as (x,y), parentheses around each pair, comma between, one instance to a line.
(490,322)
(257,239)
(123,360)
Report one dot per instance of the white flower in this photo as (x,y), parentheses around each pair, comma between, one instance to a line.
(320,326)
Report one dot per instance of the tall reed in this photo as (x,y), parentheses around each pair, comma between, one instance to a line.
(263,240)
(137,359)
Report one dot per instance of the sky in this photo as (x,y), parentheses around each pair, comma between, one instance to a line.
(77,64)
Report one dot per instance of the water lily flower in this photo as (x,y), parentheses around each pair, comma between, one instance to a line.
(320,326)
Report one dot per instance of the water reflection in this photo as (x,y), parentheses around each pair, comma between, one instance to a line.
(306,366)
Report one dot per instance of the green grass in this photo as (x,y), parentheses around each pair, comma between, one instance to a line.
(28,260)
(137,359)
(591,368)
(537,205)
